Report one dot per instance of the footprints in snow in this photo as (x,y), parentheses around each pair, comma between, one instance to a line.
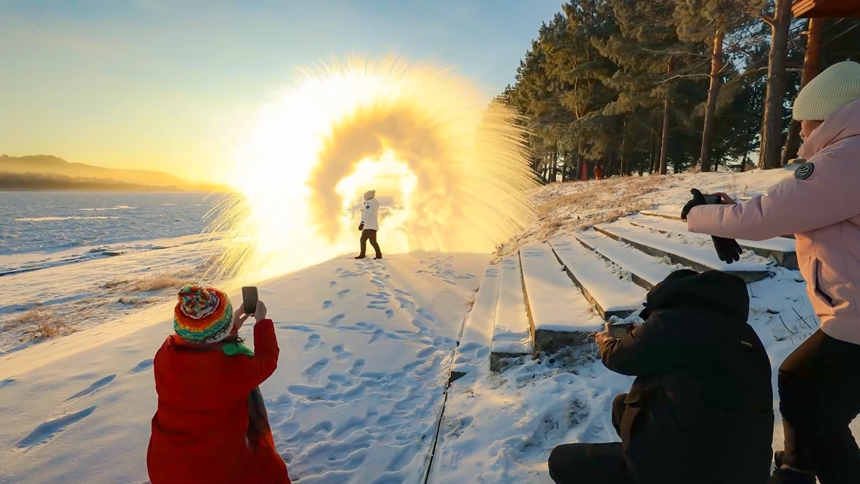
(312,373)
(340,353)
(358,367)
(442,268)
(424,313)
(405,302)
(96,386)
(142,366)
(333,321)
(376,335)
(49,430)
(54,427)
(313,342)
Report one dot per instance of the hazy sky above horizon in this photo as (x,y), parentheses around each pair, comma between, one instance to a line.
(176,85)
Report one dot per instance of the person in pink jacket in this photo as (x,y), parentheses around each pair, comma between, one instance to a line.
(819,383)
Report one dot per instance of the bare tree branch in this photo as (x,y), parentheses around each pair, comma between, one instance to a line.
(684,76)
(767,20)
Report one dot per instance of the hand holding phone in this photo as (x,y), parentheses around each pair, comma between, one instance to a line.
(619,330)
(249,299)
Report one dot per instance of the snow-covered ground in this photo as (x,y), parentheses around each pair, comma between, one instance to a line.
(365,353)
(366,349)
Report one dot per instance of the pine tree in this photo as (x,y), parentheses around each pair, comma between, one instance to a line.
(710,21)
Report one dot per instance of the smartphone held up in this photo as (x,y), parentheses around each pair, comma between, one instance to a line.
(249,299)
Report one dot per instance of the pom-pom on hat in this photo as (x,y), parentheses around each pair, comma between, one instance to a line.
(830,91)
(202,315)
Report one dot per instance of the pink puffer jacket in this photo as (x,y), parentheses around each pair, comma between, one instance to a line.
(821,206)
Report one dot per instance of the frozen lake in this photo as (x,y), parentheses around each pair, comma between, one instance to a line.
(49,221)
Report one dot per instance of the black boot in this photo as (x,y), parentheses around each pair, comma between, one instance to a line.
(378,257)
(788,475)
(360,257)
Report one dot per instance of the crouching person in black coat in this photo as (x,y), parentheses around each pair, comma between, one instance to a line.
(701,407)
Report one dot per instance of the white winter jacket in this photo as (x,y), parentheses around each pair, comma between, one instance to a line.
(369,216)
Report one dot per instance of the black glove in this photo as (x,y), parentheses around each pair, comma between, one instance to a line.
(698,199)
(361,226)
(728,250)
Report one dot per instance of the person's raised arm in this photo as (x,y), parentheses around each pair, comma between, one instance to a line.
(246,373)
(819,195)
(649,349)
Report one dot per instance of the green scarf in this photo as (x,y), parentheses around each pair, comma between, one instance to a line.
(233,349)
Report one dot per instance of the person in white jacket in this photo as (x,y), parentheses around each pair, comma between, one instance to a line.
(369,224)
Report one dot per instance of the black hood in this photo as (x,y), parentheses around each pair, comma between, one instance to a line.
(713,291)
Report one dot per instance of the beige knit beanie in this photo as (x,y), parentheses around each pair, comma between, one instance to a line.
(830,91)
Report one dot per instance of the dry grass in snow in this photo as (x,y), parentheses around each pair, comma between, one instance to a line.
(39,323)
(565,208)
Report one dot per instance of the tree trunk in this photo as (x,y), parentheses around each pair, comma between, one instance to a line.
(792,143)
(664,141)
(624,158)
(713,92)
(653,160)
(810,70)
(771,142)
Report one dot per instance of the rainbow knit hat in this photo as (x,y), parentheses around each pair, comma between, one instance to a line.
(202,315)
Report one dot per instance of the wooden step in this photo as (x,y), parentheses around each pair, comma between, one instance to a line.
(645,270)
(676,216)
(559,313)
(602,283)
(474,345)
(698,257)
(781,249)
(512,332)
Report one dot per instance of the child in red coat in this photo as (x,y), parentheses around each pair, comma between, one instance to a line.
(211,424)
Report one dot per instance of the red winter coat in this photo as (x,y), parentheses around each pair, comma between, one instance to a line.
(199,431)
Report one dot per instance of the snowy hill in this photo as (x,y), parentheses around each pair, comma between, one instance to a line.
(367,348)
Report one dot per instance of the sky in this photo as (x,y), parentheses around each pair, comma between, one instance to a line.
(176,85)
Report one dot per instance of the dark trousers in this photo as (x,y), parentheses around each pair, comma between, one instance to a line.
(592,463)
(819,395)
(369,234)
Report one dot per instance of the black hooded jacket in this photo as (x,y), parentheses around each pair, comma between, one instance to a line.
(701,407)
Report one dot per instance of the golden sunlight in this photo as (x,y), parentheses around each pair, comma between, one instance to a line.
(450,171)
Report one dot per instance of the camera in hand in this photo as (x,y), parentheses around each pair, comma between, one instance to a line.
(249,299)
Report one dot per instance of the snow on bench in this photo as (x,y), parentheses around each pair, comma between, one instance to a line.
(477,338)
(699,255)
(512,334)
(560,314)
(780,248)
(671,212)
(646,270)
(603,284)
(668,213)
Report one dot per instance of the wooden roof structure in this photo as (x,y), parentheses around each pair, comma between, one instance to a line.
(826,8)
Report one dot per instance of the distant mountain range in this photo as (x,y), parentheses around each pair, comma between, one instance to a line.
(45,172)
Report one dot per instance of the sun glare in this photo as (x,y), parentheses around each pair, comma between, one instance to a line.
(450,171)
